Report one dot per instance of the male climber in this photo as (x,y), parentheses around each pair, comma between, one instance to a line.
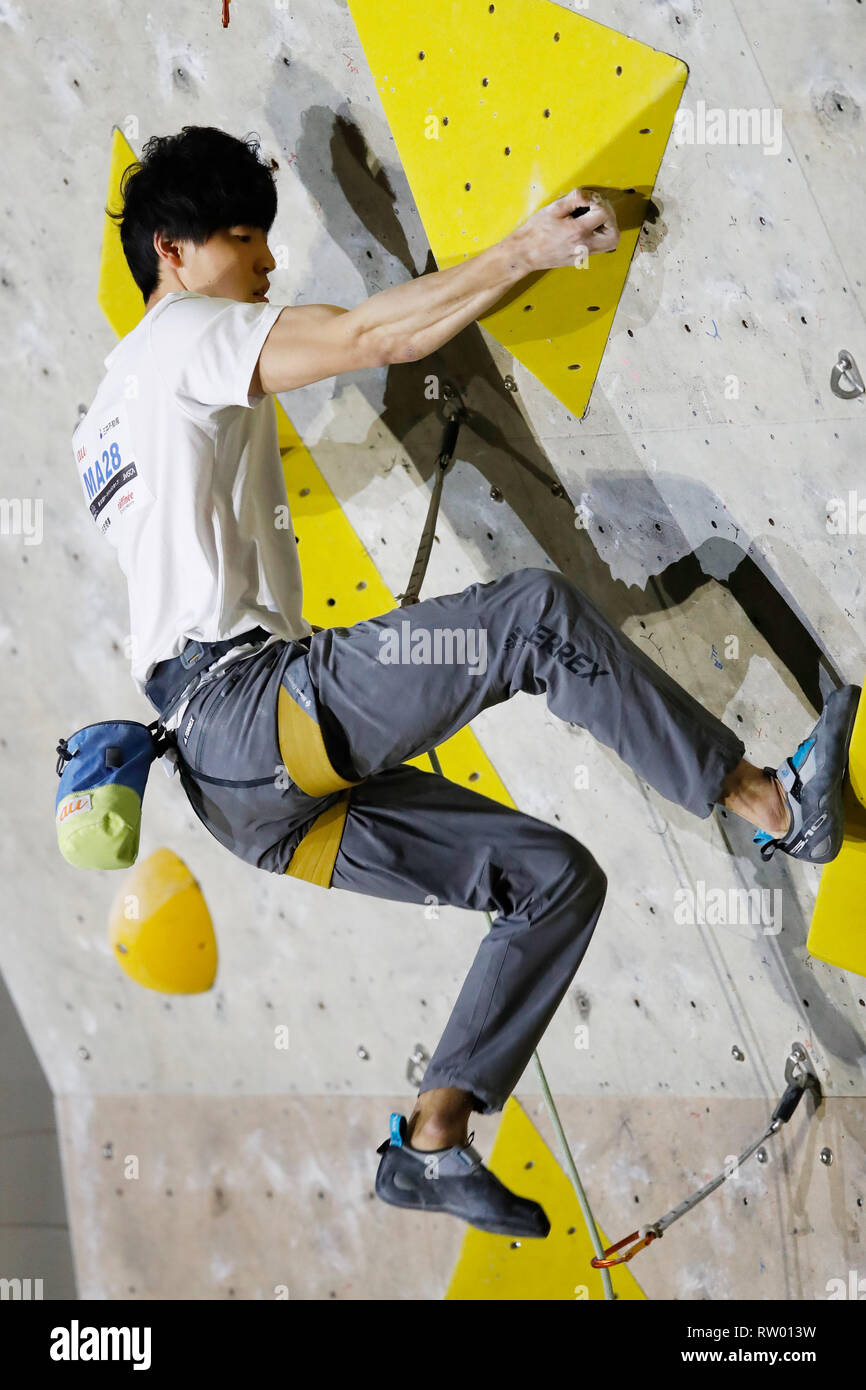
(292,743)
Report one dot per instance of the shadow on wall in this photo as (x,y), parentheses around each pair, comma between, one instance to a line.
(626,512)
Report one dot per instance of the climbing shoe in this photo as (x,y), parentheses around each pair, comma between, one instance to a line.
(454,1181)
(812,781)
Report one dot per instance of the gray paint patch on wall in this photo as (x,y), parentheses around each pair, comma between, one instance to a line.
(634,531)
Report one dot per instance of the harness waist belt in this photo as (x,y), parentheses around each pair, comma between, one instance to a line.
(170,678)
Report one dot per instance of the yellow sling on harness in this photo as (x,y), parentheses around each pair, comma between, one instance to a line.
(305,758)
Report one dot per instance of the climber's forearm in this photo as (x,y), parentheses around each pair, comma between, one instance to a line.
(420,315)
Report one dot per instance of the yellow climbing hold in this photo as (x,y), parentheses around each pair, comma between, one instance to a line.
(160,929)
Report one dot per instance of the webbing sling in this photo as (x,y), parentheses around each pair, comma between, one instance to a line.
(305,758)
(315,856)
(302,747)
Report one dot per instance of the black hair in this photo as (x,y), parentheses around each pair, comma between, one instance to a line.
(190,186)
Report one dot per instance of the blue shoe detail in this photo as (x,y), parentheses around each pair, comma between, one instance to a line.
(761,838)
(398,1128)
(812,780)
(802,753)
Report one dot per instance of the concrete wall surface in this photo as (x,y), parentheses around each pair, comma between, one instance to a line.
(263,1197)
(35,1242)
(707,462)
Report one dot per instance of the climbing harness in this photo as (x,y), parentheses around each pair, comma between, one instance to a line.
(800,1076)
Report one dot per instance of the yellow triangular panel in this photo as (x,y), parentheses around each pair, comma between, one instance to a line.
(118,295)
(465,86)
(557,1268)
(838,930)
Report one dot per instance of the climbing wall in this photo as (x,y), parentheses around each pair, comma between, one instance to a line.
(701,478)
(497,109)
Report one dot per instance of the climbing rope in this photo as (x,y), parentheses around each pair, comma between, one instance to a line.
(455,412)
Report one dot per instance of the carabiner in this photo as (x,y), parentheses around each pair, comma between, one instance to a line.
(604,1261)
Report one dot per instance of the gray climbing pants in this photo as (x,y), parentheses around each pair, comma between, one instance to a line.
(391,688)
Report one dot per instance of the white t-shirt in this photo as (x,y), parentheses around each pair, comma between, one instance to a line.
(182,474)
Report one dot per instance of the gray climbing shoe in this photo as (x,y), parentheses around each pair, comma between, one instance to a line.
(812,780)
(454,1181)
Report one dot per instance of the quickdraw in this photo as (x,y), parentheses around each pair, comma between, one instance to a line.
(800,1076)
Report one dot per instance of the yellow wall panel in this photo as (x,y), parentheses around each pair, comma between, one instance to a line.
(557,1268)
(496,110)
